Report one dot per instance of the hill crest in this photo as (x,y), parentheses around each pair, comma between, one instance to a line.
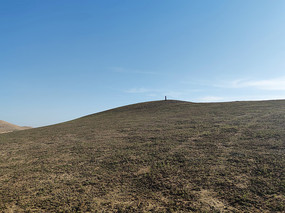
(8,127)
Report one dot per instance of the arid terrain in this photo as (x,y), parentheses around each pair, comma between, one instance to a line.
(162,156)
(7,127)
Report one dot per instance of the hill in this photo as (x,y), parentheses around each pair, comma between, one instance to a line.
(7,127)
(164,156)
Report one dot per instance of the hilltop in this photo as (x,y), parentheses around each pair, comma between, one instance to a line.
(8,127)
(162,156)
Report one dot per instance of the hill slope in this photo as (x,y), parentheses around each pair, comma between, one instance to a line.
(157,156)
(7,127)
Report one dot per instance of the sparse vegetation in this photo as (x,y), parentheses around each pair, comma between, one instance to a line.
(164,156)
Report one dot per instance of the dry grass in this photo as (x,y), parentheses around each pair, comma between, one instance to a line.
(165,156)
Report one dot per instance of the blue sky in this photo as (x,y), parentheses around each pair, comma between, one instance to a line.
(60,60)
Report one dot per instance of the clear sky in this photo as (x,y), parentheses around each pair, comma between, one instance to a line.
(60,60)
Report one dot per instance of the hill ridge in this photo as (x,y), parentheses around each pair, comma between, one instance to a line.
(6,127)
